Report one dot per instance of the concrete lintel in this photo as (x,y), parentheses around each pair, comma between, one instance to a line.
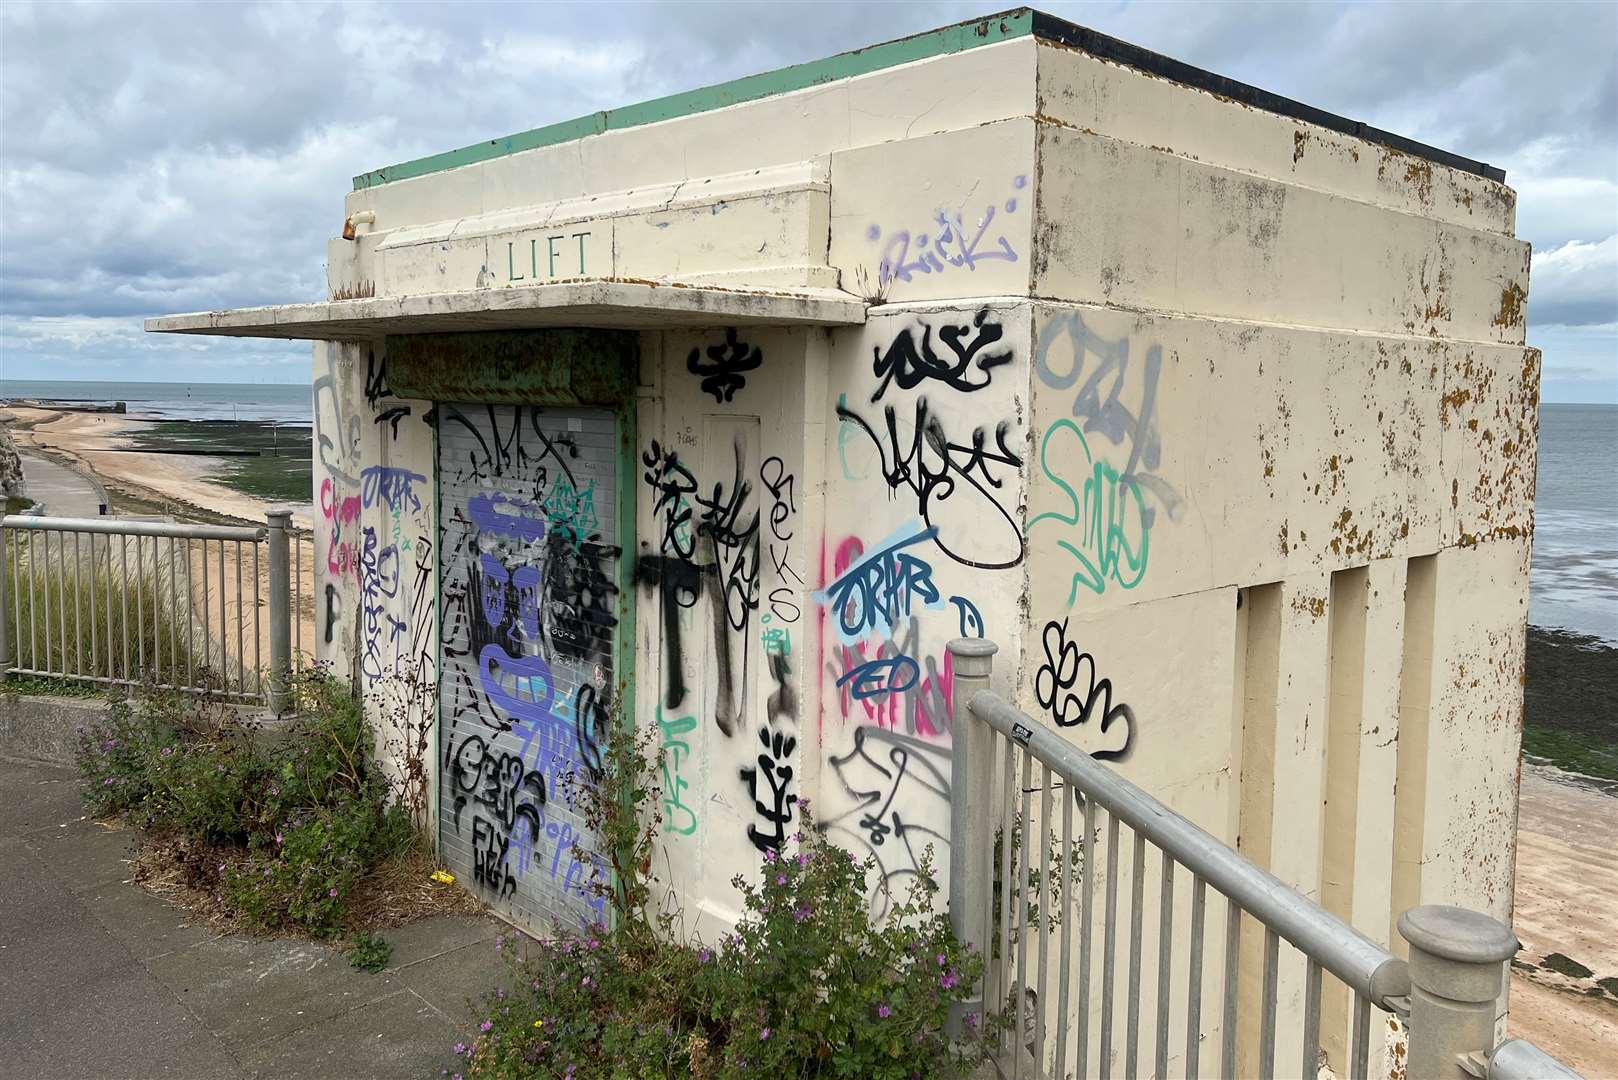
(600,303)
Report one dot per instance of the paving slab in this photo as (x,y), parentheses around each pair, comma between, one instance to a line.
(144,924)
(425,939)
(450,981)
(84,855)
(250,991)
(105,981)
(34,796)
(397,1036)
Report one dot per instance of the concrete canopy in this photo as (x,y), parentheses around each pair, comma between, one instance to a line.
(587,303)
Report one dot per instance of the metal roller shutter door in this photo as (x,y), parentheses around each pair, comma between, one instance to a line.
(528,561)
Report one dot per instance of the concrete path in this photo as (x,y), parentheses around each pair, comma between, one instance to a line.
(60,491)
(102,980)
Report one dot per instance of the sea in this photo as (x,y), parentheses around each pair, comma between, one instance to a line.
(1574,581)
(281,403)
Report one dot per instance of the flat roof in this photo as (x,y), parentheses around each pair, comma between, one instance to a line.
(974,33)
(593,302)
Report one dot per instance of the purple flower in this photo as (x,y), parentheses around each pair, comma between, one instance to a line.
(803,860)
(883,1011)
(780,879)
(107,782)
(500,993)
(704,956)
(487,1025)
(949,980)
(803,913)
(332,892)
(279,839)
(942,960)
(764,1033)
(168,751)
(460,1048)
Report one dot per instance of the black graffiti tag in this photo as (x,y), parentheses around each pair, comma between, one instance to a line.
(774,806)
(1054,688)
(932,467)
(722,371)
(909,366)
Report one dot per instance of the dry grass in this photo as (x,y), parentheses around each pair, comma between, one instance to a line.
(188,875)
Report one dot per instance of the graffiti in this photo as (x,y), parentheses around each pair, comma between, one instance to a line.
(377,391)
(498,783)
(1135,431)
(884,587)
(932,467)
(580,596)
(722,372)
(331,610)
(909,367)
(337,430)
(876,601)
(490,850)
(680,817)
(783,509)
(734,537)
(897,782)
(1055,689)
(1111,528)
(948,243)
(678,582)
(591,727)
(673,484)
(509,452)
(570,511)
(774,803)
(389,487)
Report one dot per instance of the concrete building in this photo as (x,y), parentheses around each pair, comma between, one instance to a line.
(722,413)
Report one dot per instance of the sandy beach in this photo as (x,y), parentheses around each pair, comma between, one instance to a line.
(80,439)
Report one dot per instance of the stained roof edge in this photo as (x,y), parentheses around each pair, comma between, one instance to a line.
(958,37)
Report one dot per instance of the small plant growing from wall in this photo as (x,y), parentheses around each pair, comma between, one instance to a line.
(808,985)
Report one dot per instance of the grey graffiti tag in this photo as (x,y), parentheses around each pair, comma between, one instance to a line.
(1108,416)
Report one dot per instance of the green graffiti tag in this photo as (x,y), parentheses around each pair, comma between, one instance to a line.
(1114,530)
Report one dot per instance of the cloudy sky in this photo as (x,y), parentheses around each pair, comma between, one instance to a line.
(161,158)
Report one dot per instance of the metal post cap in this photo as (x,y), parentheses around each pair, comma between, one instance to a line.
(1452,933)
(972,656)
(972,646)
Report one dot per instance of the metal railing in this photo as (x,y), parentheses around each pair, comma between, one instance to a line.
(1015,884)
(205,609)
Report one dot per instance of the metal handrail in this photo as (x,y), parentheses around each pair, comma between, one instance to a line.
(1519,1059)
(127,527)
(1339,948)
(154,604)
(1445,994)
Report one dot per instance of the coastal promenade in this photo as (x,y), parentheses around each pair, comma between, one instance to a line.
(105,981)
(60,491)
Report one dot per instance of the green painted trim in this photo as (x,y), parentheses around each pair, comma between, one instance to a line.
(960,37)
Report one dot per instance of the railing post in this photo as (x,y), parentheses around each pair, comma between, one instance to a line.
(971,778)
(1457,970)
(6,571)
(280,611)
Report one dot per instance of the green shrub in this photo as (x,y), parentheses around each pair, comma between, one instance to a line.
(807,985)
(290,830)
